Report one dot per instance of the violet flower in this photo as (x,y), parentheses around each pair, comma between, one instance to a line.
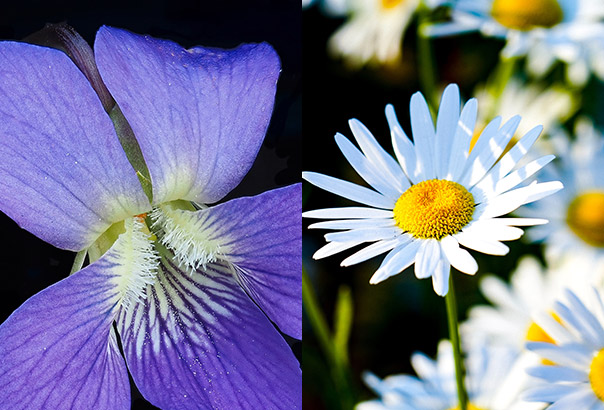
(189,286)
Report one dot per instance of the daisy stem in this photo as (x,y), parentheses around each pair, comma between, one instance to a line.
(78,262)
(455,341)
(427,71)
(503,73)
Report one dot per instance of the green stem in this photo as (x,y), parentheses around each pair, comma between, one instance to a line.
(334,347)
(427,70)
(503,73)
(316,318)
(78,262)
(454,335)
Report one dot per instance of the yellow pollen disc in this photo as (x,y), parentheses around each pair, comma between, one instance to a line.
(596,375)
(434,209)
(390,4)
(470,407)
(526,15)
(585,217)
(535,333)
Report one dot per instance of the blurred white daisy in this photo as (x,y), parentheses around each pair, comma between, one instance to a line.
(509,321)
(576,214)
(488,380)
(544,31)
(329,7)
(438,195)
(539,105)
(533,290)
(373,32)
(574,379)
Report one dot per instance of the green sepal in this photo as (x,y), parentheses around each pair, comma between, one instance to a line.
(132,150)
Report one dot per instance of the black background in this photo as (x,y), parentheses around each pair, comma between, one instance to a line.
(28,263)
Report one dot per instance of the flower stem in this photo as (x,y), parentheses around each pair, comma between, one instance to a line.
(427,70)
(454,335)
(503,73)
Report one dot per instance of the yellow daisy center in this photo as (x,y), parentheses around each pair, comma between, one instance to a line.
(585,217)
(596,375)
(536,334)
(390,4)
(526,15)
(434,209)
(470,407)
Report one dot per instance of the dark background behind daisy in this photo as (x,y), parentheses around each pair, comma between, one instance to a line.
(29,264)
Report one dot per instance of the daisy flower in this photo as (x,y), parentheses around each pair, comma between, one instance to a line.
(575,214)
(509,321)
(532,289)
(488,383)
(575,379)
(436,196)
(543,30)
(374,31)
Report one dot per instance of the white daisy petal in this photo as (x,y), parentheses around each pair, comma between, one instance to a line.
(476,242)
(494,229)
(427,257)
(353,224)
(460,147)
(401,259)
(347,212)
(459,258)
(446,127)
(580,399)
(558,374)
(349,190)
(573,355)
(402,145)
(423,136)
(522,221)
(520,175)
(375,153)
(386,185)
(512,200)
(487,151)
(334,247)
(519,150)
(440,277)
(363,235)
(549,392)
(375,249)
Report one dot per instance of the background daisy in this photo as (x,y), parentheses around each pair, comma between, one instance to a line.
(373,32)
(544,31)
(574,377)
(488,383)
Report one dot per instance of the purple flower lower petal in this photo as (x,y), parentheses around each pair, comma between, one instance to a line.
(262,237)
(199,342)
(63,174)
(199,115)
(57,350)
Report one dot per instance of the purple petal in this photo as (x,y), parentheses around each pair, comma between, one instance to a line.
(262,237)
(199,115)
(63,174)
(58,351)
(198,341)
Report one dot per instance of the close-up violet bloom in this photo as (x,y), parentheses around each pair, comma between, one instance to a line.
(188,287)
